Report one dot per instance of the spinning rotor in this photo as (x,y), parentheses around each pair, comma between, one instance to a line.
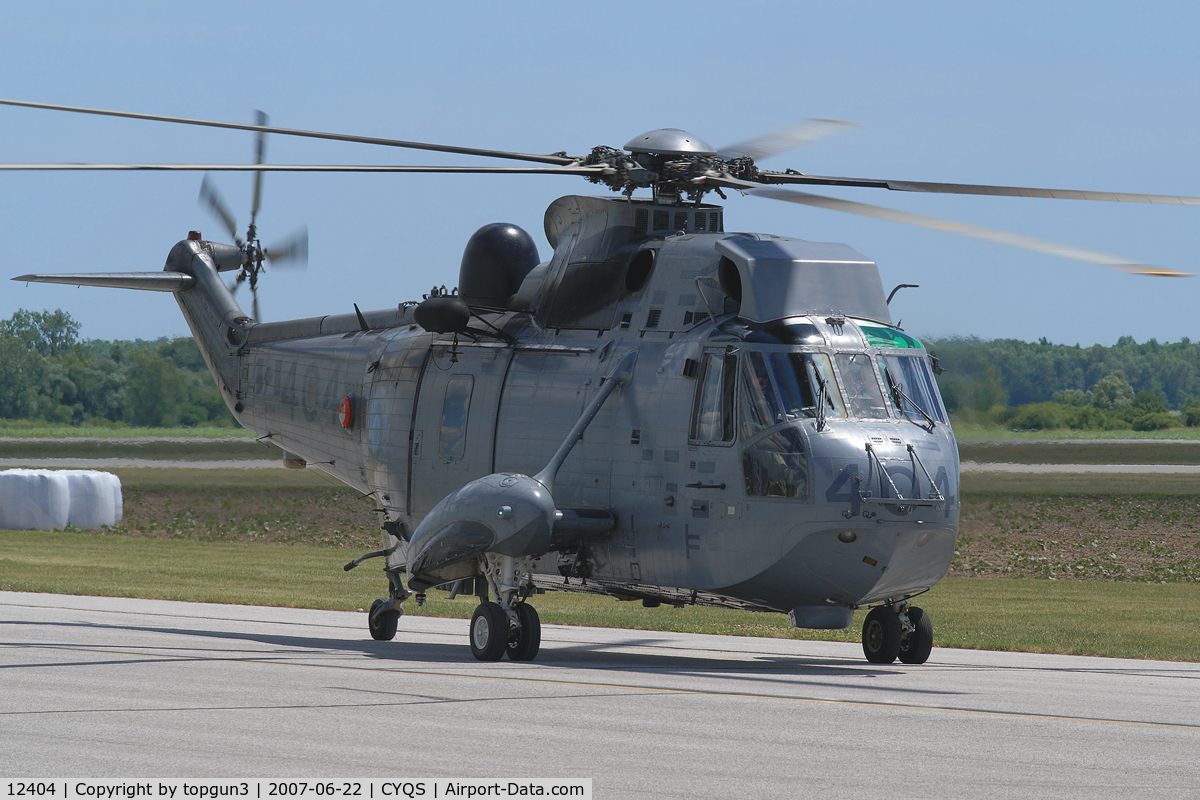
(674,165)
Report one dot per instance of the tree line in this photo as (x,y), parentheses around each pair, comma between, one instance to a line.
(48,373)
(1041,385)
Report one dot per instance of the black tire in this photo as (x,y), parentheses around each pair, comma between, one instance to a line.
(489,632)
(523,644)
(915,648)
(881,635)
(382,626)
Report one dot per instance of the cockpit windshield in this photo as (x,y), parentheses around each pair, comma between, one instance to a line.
(911,386)
(861,385)
(779,387)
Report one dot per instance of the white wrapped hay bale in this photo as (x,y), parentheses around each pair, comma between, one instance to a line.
(40,499)
(33,499)
(95,498)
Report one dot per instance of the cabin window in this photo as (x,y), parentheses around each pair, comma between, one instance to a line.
(780,387)
(712,417)
(911,387)
(863,395)
(776,466)
(454,416)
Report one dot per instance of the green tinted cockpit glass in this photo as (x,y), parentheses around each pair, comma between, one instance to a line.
(881,336)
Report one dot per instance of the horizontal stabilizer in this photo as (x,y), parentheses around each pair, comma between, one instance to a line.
(146,281)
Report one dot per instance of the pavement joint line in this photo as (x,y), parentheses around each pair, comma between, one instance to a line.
(643,689)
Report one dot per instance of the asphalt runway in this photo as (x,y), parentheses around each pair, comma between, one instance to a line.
(126,689)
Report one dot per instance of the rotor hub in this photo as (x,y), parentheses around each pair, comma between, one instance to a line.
(670,142)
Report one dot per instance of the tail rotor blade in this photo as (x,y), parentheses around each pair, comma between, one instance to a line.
(291,253)
(237,283)
(211,198)
(260,149)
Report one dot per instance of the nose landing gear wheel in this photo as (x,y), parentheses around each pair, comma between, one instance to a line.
(524,643)
(489,632)
(382,625)
(881,635)
(916,646)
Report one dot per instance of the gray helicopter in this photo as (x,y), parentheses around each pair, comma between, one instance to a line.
(664,411)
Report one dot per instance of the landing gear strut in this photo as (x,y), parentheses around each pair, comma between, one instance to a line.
(383,620)
(510,626)
(493,636)
(385,612)
(897,630)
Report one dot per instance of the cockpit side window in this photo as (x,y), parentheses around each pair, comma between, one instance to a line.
(911,386)
(863,395)
(777,466)
(712,416)
(781,386)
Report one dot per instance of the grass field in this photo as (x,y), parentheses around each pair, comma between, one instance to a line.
(964,432)
(1079,483)
(47,430)
(1082,618)
(1118,451)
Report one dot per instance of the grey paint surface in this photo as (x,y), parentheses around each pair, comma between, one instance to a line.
(127,689)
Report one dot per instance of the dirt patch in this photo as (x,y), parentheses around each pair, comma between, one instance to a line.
(323,517)
(1144,538)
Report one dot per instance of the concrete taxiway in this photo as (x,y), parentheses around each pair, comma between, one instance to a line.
(128,689)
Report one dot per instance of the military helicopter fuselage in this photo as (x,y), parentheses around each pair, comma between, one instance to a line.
(774,443)
(662,411)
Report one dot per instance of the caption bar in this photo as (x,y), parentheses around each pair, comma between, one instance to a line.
(425,788)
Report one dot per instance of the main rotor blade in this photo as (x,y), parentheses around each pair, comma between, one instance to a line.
(570,170)
(552,158)
(978,188)
(780,141)
(211,197)
(945,226)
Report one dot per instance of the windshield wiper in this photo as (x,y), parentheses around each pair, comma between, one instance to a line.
(898,395)
(823,394)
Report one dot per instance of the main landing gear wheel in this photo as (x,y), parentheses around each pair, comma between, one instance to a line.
(916,646)
(382,624)
(881,635)
(489,632)
(523,643)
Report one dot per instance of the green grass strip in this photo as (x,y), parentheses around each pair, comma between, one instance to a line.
(970,432)
(51,430)
(1079,618)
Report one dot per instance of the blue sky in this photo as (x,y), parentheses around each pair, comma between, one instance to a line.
(1097,95)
